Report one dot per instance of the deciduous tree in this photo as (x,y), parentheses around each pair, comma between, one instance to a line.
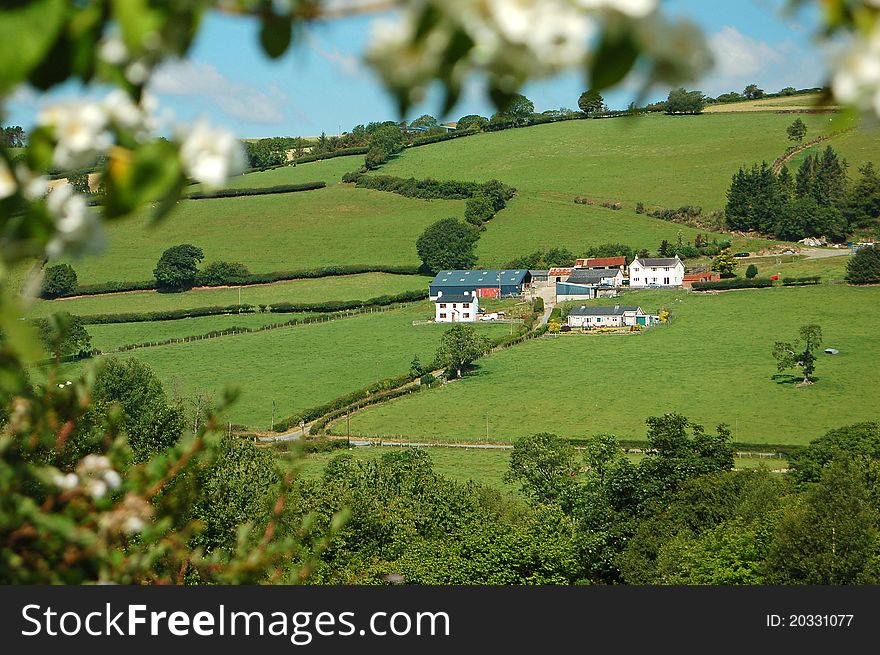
(459,346)
(448,244)
(799,354)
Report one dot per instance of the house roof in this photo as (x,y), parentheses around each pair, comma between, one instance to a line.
(455,297)
(539,272)
(591,276)
(658,261)
(479,278)
(696,277)
(602,261)
(617,310)
(558,270)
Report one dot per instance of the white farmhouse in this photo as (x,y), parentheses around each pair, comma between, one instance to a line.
(656,272)
(617,316)
(456,307)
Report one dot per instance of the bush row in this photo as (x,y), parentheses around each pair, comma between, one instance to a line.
(733,283)
(437,138)
(252,278)
(264,191)
(430,189)
(278,308)
(800,281)
(341,305)
(344,152)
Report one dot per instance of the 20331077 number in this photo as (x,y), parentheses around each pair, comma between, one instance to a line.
(809,620)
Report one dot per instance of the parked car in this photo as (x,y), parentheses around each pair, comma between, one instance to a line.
(742,254)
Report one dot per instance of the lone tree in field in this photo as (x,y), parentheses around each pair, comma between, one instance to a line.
(724,263)
(797,130)
(864,266)
(60,280)
(460,345)
(448,244)
(176,269)
(591,102)
(799,354)
(752,92)
(751,271)
(681,101)
(64,334)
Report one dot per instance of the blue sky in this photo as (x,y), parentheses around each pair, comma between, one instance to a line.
(322,84)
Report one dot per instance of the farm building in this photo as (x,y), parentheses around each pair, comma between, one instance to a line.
(485,284)
(617,316)
(558,274)
(708,276)
(602,263)
(585,283)
(540,277)
(656,272)
(456,307)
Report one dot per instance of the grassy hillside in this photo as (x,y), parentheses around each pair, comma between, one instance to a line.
(541,221)
(655,159)
(344,287)
(807,101)
(327,170)
(115,335)
(299,367)
(856,146)
(711,363)
(338,225)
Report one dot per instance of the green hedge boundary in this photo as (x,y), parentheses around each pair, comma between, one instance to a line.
(733,283)
(801,281)
(253,278)
(259,191)
(278,308)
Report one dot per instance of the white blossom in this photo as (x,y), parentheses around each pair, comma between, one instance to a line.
(211,156)
(80,130)
(857,77)
(8,185)
(96,488)
(94,464)
(133,524)
(633,8)
(113,479)
(77,228)
(113,51)
(33,186)
(65,482)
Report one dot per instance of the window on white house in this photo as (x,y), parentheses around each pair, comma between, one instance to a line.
(466,305)
(442,305)
(666,280)
(465,315)
(453,305)
(443,315)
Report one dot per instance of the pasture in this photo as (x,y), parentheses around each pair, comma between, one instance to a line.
(344,287)
(334,226)
(711,363)
(656,159)
(296,367)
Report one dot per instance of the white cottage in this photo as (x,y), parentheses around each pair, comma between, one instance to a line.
(456,307)
(617,316)
(656,272)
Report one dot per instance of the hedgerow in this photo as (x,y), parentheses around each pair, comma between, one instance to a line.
(260,191)
(733,283)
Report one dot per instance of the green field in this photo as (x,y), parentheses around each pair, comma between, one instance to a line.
(856,146)
(655,159)
(540,222)
(327,170)
(115,335)
(344,287)
(298,367)
(334,226)
(712,363)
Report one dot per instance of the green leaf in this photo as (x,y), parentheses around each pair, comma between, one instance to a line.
(152,173)
(137,18)
(613,59)
(275,35)
(27,32)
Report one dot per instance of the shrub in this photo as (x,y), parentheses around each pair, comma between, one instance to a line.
(176,269)
(220,273)
(640,208)
(427,380)
(864,266)
(60,280)
(751,271)
(800,281)
(478,209)
(234,193)
(538,305)
(733,283)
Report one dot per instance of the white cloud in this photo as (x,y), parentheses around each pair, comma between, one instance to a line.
(348,64)
(741,59)
(738,55)
(235,99)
